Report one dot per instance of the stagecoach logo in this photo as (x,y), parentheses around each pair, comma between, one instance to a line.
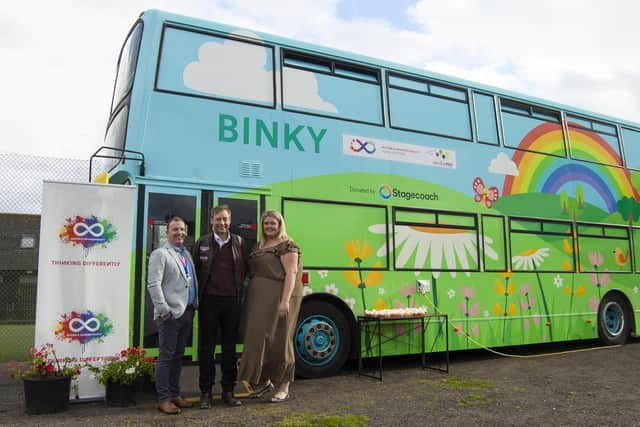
(385,191)
(87,232)
(83,327)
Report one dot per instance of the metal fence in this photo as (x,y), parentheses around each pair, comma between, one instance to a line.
(21,180)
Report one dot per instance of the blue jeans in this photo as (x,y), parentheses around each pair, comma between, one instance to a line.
(172,337)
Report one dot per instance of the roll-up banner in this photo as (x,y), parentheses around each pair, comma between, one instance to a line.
(84,273)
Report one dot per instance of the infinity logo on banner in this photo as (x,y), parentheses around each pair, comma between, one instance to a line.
(77,325)
(87,232)
(83,327)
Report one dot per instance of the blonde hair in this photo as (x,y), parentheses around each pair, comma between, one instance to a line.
(282,235)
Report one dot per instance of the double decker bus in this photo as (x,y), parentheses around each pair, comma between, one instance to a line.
(516,217)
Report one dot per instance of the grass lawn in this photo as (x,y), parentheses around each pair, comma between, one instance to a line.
(16,341)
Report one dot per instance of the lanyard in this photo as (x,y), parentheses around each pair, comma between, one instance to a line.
(184,261)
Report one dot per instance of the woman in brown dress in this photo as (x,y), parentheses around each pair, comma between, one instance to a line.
(271,310)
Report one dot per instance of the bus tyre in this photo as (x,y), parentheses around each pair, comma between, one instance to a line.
(322,340)
(614,320)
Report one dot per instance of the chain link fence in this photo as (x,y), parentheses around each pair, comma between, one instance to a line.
(21,178)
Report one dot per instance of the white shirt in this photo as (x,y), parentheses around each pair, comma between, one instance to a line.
(221,242)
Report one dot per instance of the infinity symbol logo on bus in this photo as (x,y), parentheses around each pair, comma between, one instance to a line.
(90,325)
(357,145)
(81,229)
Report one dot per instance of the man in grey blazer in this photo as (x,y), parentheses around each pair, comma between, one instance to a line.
(173,288)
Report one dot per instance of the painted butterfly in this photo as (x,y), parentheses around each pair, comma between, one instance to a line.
(486,195)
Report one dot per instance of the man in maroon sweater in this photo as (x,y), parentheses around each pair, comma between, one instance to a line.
(220,266)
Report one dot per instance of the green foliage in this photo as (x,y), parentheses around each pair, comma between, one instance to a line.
(467,383)
(629,209)
(311,420)
(44,363)
(124,368)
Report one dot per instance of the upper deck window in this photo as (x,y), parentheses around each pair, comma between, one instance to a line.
(523,123)
(430,107)
(127,65)
(631,142)
(210,66)
(327,87)
(593,141)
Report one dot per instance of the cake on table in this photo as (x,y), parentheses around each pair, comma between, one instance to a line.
(397,313)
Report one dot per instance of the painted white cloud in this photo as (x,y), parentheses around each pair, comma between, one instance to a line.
(503,165)
(301,90)
(232,69)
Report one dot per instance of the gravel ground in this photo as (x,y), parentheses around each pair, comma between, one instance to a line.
(580,387)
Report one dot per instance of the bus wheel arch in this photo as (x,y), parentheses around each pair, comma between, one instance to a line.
(615,318)
(324,336)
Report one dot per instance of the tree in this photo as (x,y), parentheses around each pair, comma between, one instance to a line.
(564,202)
(580,196)
(629,209)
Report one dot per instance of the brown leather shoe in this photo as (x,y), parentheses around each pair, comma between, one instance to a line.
(180,402)
(168,408)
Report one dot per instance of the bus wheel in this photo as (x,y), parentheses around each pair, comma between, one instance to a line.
(614,320)
(322,340)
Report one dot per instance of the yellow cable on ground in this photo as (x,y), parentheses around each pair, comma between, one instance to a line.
(530,356)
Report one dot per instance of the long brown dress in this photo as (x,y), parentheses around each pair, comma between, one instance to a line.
(268,338)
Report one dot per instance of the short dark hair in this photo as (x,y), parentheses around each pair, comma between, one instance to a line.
(220,208)
(176,218)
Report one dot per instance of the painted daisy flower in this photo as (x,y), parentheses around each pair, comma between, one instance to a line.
(557,281)
(530,259)
(451,293)
(447,248)
(381,291)
(351,302)
(323,273)
(635,289)
(306,290)
(331,289)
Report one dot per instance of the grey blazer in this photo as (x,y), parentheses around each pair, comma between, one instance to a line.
(167,282)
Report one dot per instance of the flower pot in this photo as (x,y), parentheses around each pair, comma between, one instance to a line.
(123,394)
(46,395)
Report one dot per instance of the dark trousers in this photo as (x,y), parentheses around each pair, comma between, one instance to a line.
(219,317)
(172,337)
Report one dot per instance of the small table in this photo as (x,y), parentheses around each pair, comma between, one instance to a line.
(371,326)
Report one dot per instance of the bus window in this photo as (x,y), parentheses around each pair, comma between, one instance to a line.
(116,134)
(486,122)
(636,248)
(521,122)
(631,142)
(493,240)
(427,240)
(325,87)
(342,228)
(425,106)
(204,65)
(585,133)
(604,248)
(127,65)
(539,245)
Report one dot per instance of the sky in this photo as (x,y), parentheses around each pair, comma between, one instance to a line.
(59,57)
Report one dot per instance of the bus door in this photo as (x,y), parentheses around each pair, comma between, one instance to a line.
(245,215)
(160,205)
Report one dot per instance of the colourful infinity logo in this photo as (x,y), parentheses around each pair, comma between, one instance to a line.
(81,229)
(357,145)
(76,324)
